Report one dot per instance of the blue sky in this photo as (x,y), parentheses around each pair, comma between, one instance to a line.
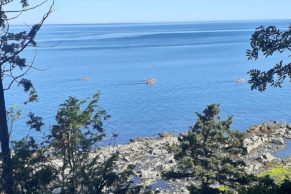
(127,11)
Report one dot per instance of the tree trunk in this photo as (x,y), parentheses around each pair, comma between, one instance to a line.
(4,138)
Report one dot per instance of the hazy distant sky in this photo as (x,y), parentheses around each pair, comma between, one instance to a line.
(116,11)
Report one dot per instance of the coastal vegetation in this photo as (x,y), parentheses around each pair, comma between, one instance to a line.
(14,67)
(67,160)
(210,158)
(277,172)
(266,185)
(212,152)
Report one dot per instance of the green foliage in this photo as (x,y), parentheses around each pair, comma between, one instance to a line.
(69,160)
(73,140)
(31,170)
(14,113)
(35,122)
(266,185)
(263,185)
(268,41)
(223,188)
(14,67)
(13,70)
(277,172)
(211,152)
(204,189)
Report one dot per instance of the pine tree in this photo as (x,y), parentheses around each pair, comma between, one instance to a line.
(211,151)
(74,141)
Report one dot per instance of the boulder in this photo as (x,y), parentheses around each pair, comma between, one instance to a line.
(253,142)
(165,134)
(278,140)
(267,157)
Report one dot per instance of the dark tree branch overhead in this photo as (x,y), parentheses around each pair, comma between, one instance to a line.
(268,41)
(10,51)
(15,78)
(27,9)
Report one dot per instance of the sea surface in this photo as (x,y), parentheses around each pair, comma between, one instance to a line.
(195,64)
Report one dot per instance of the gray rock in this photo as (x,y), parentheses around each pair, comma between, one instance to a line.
(278,140)
(267,157)
(151,156)
(165,134)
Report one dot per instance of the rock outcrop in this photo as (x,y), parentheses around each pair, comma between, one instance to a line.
(152,156)
(261,141)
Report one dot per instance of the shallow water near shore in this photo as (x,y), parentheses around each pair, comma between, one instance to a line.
(284,153)
(195,64)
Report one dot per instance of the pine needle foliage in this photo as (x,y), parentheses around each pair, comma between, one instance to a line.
(211,152)
(267,185)
(74,140)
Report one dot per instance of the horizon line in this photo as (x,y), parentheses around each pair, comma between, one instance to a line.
(164,22)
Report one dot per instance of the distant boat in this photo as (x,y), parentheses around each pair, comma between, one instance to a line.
(151,81)
(85,78)
(242,80)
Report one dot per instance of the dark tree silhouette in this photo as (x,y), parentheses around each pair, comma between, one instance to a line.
(267,185)
(13,68)
(268,41)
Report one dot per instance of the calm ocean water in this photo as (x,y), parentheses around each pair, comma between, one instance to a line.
(194,64)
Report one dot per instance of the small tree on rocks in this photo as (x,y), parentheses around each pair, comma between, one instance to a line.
(73,141)
(211,152)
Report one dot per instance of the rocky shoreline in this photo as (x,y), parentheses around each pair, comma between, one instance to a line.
(152,156)
(262,141)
